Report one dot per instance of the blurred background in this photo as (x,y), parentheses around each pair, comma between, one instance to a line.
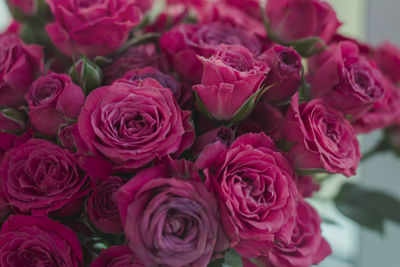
(373,21)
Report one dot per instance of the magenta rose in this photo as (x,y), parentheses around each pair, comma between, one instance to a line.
(183,94)
(102,207)
(347,80)
(285,74)
(320,138)
(184,43)
(387,57)
(91,27)
(293,20)
(26,7)
(383,113)
(307,185)
(251,7)
(38,241)
(20,65)
(134,58)
(53,101)
(257,194)
(221,134)
(117,256)
(132,123)
(167,211)
(230,77)
(264,118)
(307,247)
(39,178)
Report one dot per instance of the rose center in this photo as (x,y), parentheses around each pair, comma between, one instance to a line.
(177,224)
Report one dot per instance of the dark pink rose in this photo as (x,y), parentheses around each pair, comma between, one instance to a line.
(320,138)
(285,74)
(221,134)
(39,177)
(167,211)
(183,94)
(307,185)
(184,43)
(230,77)
(92,27)
(387,57)
(20,64)
(264,118)
(383,113)
(222,12)
(251,7)
(53,101)
(256,191)
(9,140)
(307,247)
(134,58)
(293,20)
(14,27)
(347,81)
(117,256)
(12,121)
(132,123)
(38,241)
(102,207)
(4,207)
(26,7)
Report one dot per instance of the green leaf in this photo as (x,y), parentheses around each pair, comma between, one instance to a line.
(232,259)
(308,47)
(216,263)
(202,108)
(368,207)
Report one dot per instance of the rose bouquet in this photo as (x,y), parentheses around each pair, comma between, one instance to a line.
(182,133)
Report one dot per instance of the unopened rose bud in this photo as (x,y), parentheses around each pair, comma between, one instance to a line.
(29,10)
(86,74)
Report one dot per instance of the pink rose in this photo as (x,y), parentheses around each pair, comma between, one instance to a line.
(102,207)
(230,77)
(38,241)
(293,20)
(132,123)
(307,247)
(256,191)
(183,94)
(264,118)
(167,211)
(186,42)
(383,113)
(285,74)
(39,177)
(117,256)
(134,58)
(251,7)
(91,27)
(221,134)
(21,64)
(387,57)
(347,81)
(26,7)
(321,138)
(53,100)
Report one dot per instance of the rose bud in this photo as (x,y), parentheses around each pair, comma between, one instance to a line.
(87,74)
(52,180)
(38,241)
(321,138)
(182,93)
(134,58)
(347,81)
(167,211)
(285,74)
(307,185)
(383,113)
(257,195)
(230,78)
(184,43)
(133,123)
(264,118)
(117,256)
(102,207)
(294,20)
(221,134)
(53,101)
(20,64)
(26,10)
(83,27)
(387,57)
(307,246)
